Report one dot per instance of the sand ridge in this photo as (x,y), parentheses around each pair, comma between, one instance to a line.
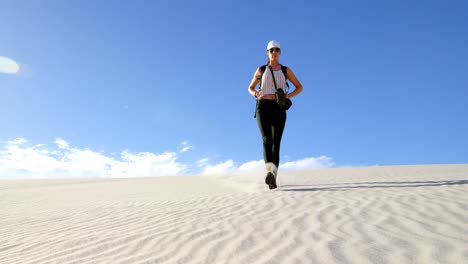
(392,214)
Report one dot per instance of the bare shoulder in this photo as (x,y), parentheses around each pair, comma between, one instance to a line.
(289,72)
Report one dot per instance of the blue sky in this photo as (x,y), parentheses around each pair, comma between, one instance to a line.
(140,88)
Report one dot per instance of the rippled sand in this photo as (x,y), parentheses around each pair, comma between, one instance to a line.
(394,214)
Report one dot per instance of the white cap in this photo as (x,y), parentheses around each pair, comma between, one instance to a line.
(273,44)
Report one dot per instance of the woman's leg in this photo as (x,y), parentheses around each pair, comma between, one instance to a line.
(265,119)
(279,123)
(271,121)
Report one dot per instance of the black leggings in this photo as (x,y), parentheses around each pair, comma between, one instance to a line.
(271,120)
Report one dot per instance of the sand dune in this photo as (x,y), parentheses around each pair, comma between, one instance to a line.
(395,214)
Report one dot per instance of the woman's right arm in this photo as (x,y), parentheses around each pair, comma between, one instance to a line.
(255,80)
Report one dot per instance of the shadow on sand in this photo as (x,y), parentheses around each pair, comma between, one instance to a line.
(369,185)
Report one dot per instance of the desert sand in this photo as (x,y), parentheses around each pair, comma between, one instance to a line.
(382,214)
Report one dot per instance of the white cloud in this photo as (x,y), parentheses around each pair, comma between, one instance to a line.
(62,144)
(309,163)
(256,165)
(202,162)
(17,141)
(148,164)
(184,147)
(21,159)
(259,165)
(220,168)
(8,65)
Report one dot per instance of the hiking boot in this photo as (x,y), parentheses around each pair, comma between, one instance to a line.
(272,171)
(270,181)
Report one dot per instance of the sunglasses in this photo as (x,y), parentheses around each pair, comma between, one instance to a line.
(274,49)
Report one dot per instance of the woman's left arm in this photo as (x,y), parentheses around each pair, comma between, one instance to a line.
(297,84)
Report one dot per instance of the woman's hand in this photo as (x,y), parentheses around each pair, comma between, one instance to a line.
(257,93)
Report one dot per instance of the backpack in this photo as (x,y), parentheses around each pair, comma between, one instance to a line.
(284,69)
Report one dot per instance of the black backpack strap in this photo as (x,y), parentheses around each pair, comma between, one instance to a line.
(262,70)
(284,69)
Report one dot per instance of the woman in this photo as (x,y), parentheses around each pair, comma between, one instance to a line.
(271,118)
